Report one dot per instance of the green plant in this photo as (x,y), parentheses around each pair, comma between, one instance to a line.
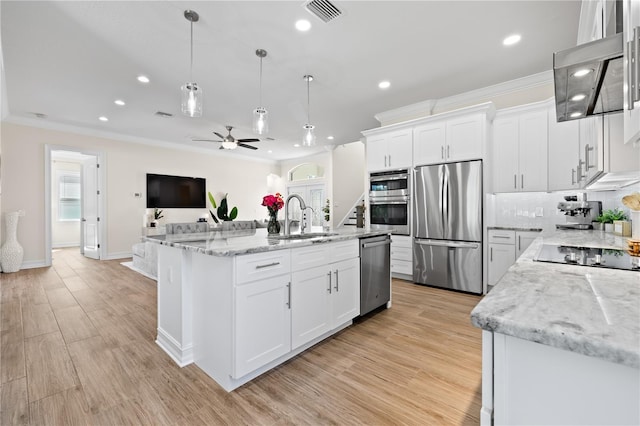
(327,209)
(157,214)
(608,216)
(222,210)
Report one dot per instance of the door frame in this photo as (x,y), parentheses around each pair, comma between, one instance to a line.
(102,179)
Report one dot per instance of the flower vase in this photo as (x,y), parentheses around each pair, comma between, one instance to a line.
(273,227)
(12,252)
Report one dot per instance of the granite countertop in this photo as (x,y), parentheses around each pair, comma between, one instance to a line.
(514,228)
(592,311)
(232,243)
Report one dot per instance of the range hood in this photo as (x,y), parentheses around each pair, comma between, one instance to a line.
(589,78)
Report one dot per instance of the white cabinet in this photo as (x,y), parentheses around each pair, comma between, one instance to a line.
(520,149)
(631,21)
(448,140)
(505,246)
(327,296)
(564,147)
(262,323)
(401,256)
(387,151)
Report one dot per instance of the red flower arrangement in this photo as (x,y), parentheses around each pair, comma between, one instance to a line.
(273,202)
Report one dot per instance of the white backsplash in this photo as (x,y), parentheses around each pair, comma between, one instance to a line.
(539,209)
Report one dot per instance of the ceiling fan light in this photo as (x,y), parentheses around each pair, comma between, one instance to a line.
(309,137)
(260,121)
(229,145)
(191,100)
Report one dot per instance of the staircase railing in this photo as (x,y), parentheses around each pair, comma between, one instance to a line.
(352,212)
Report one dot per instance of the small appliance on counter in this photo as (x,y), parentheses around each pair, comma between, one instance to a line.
(588,256)
(579,213)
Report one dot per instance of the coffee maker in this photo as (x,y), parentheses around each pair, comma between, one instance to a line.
(579,213)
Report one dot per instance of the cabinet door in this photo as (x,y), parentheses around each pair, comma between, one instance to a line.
(631,20)
(400,149)
(376,153)
(501,257)
(345,303)
(564,147)
(464,138)
(524,240)
(429,144)
(533,151)
(262,323)
(590,138)
(505,154)
(311,290)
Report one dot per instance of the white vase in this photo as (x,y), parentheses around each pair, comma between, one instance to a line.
(12,252)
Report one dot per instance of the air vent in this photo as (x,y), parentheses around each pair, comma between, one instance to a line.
(163,114)
(323,9)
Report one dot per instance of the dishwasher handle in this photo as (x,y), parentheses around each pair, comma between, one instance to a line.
(376,244)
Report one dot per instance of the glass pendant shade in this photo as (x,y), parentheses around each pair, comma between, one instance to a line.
(260,121)
(191,100)
(309,137)
(229,145)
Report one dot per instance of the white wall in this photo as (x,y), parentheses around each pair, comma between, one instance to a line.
(127,163)
(63,233)
(349,178)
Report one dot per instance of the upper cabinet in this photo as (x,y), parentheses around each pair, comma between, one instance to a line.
(564,147)
(389,150)
(520,149)
(631,38)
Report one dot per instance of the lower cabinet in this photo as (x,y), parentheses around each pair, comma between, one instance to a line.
(505,246)
(401,256)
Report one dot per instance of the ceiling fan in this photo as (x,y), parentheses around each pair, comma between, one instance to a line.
(229,142)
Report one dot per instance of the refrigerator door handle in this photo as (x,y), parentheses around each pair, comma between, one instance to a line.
(441,196)
(452,244)
(445,213)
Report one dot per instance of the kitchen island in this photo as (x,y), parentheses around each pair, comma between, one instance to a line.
(561,342)
(238,303)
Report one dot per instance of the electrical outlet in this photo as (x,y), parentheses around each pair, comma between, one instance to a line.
(539,212)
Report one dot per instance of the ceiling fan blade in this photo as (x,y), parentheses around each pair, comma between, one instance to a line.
(248,140)
(205,140)
(218,135)
(246,146)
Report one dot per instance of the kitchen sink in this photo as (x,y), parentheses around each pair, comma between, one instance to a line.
(302,236)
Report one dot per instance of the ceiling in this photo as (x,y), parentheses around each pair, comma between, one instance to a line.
(70,60)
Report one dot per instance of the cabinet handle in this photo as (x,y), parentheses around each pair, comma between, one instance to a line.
(573,176)
(515,181)
(389,160)
(491,254)
(500,236)
(267,265)
(336,287)
(522,181)
(329,282)
(519,247)
(289,295)
(587,166)
(633,54)
(448,151)
(442,152)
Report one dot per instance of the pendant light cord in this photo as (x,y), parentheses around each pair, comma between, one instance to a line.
(260,104)
(191,66)
(308,102)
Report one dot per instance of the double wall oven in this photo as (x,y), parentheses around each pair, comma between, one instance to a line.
(389,201)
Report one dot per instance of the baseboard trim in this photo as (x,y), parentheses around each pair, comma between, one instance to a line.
(31,264)
(119,255)
(181,356)
(66,245)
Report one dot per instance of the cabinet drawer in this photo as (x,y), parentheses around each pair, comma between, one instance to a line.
(401,241)
(343,250)
(308,257)
(401,267)
(497,236)
(401,253)
(252,267)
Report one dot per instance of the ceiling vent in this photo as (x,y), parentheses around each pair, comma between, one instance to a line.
(163,114)
(323,9)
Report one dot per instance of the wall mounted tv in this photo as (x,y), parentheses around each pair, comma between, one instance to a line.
(175,192)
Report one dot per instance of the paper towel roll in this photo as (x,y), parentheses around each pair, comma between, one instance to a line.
(635,224)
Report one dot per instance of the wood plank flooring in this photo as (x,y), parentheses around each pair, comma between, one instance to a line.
(77,347)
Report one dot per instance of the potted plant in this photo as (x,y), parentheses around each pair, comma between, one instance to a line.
(157,215)
(609,216)
(222,210)
(327,214)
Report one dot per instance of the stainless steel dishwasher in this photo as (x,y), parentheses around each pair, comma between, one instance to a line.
(375,272)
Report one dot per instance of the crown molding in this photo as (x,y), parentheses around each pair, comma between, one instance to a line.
(423,108)
(157,143)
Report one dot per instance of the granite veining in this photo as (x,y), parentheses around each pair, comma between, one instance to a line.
(248,241)
(514,228)
(591,311)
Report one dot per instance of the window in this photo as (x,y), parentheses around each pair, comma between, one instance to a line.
(68,196)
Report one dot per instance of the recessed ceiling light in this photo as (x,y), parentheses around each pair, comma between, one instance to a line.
(384,84)
(269,152)
(303,25)
(511,40)
(296,145)
(582,72)
(143,79)
(103,118)
(579,97)
(330,138)
(575,114)
(119,102)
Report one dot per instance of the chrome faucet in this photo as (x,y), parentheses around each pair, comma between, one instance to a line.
(287,223)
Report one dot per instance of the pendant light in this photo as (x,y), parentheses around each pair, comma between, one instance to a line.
(308,138)
(260,114)
(191,93)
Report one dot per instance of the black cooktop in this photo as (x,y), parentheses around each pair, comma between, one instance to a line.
(588,256)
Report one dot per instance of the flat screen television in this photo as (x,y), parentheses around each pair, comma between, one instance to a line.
(175,192)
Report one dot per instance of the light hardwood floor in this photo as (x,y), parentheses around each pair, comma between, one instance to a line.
(77,347)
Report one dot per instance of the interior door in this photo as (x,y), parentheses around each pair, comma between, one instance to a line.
(89,232)
(314,197)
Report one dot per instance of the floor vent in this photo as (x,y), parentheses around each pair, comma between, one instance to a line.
(323,9)
(163,114)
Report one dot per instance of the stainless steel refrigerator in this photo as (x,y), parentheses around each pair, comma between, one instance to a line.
(447,223)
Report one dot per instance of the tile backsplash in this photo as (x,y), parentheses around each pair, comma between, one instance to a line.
(539,209)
